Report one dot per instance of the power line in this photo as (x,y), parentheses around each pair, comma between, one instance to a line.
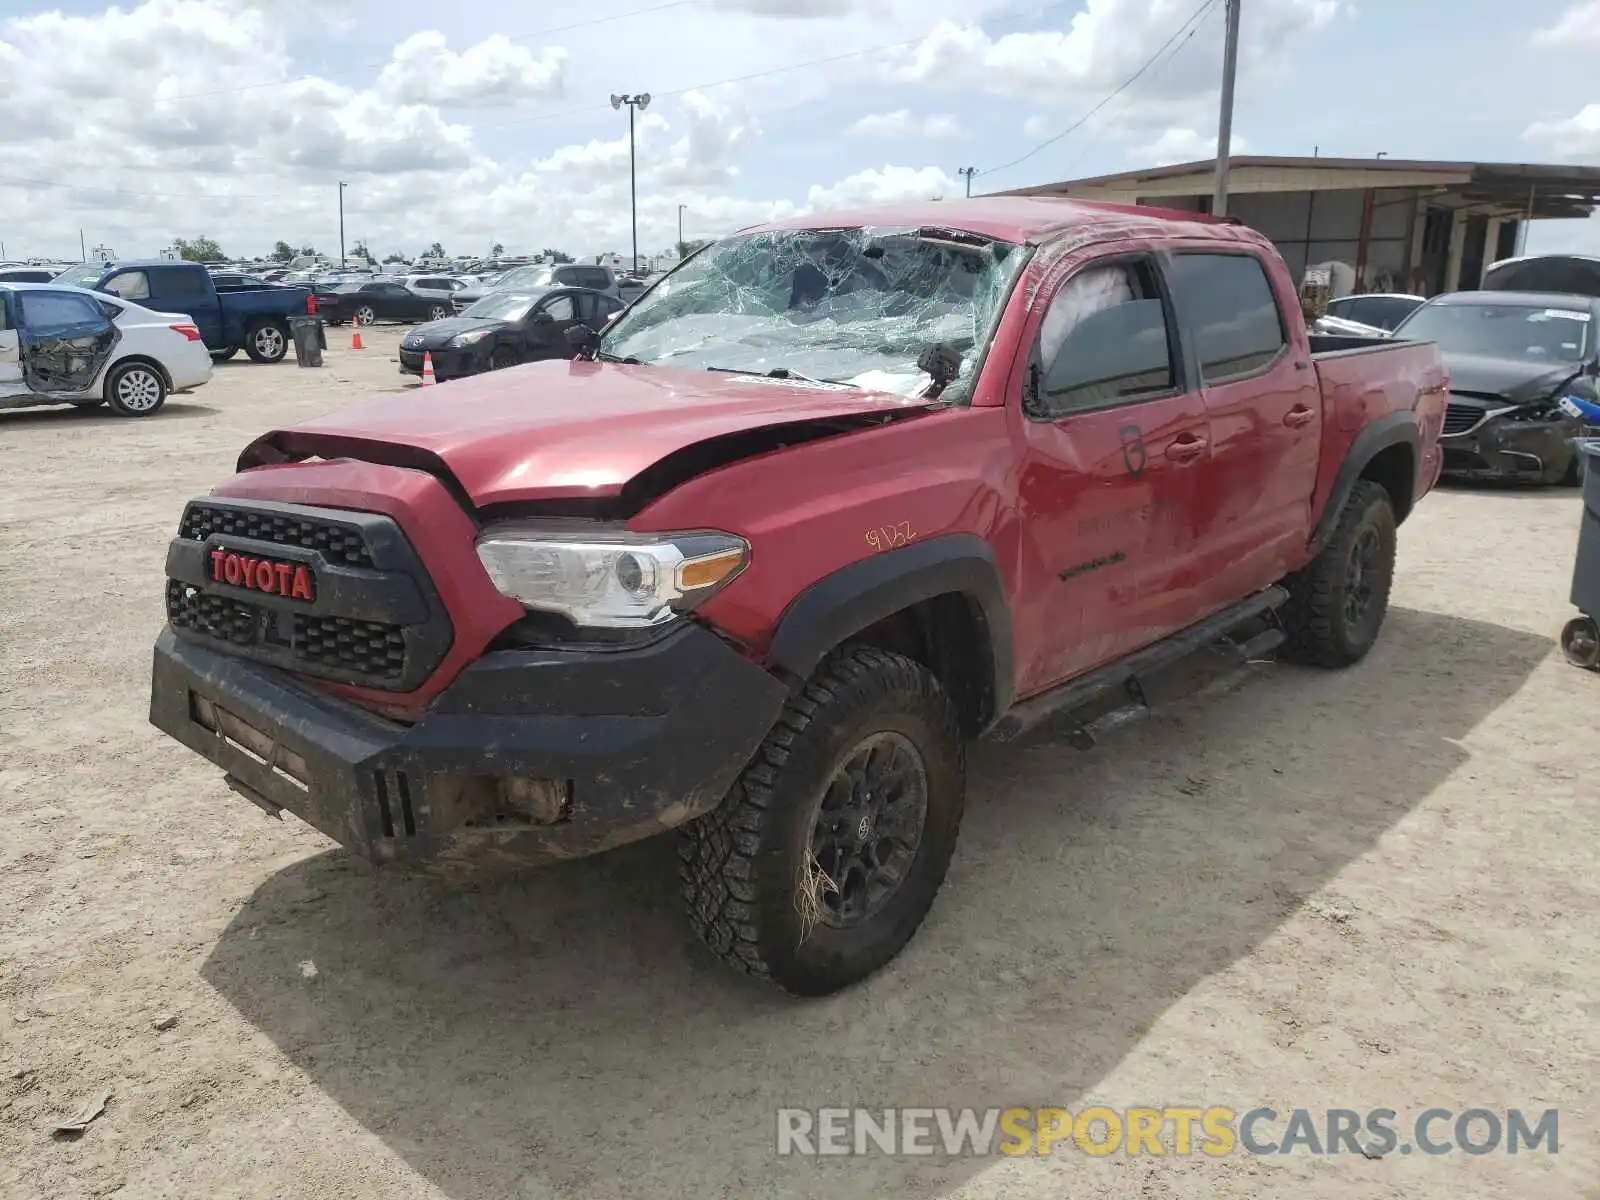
(1195,20)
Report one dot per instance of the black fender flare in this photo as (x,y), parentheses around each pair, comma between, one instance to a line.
(1391,429)
(860,595)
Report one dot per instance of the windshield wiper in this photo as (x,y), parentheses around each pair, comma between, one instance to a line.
(783,373)
(629,361)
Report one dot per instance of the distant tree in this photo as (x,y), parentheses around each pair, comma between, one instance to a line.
(557,256)
(496,250)
(359,250)
(308,250)
(202,249)
(282,252)
(396,257)
(436,251)
(687,248)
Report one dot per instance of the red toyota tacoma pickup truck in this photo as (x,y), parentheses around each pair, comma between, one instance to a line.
(836,496)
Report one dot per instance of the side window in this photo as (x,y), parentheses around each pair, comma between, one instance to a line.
(560,309)
(1104,340)
(130,285)
(5,317)
(1226,300)
(179,284)
(48,313)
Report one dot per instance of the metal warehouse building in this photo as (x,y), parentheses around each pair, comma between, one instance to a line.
(1401,225)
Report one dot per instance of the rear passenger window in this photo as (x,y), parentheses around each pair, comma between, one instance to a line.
(181,285)
(1104,341)
(1227,303)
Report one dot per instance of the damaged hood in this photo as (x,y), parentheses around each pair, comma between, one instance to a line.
(571,429)
(1508,380)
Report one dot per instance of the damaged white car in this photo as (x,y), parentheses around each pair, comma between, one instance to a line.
(64,345)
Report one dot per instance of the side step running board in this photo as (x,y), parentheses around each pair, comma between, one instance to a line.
(1126,673)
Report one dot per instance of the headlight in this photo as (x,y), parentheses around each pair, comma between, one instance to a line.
(611,579)
(469,339)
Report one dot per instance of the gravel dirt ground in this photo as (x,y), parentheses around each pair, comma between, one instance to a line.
(1374,888)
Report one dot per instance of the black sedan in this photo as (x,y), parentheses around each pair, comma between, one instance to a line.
(504,329)
(1513,357)
(366,303)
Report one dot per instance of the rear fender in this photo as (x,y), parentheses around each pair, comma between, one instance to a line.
(1391,429)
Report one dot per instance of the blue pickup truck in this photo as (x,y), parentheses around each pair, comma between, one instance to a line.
(255,321)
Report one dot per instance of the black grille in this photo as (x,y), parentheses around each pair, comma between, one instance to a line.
(368,647)
(214,616)
(1458,418)
(321,645)
(335,541)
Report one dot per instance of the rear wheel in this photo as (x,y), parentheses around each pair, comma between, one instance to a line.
(825,857)
(438,312)
(503,356)
(267,342)
(1338,601)
(366,315)
(135,390)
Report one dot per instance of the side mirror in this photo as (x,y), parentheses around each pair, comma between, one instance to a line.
(582,340)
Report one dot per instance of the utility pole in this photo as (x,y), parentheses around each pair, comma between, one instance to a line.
(969,172)
(342,186)
(681,207)
(1230,67)
(639,103)
(83,246)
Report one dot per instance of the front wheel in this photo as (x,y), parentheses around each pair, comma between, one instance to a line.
(503,357)
(135,390)
(267,343)
(826,855)
(366,315)
(1338,601)
(221,356)
(438,312)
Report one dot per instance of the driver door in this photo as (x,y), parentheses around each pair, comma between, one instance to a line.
(66,340)
(548,324)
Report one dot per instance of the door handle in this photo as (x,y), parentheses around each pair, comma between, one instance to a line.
(1298,416)
(1186,447)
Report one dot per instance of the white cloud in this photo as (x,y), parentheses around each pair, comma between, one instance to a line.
(1577,136)
(1037,126)
(496,71)
(1575,29)
(903,123)
(1183,145)
(1105,44)
(884,185)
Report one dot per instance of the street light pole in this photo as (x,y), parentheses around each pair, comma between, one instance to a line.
(638,102)
(342,186)
(969,172)
(681,207)
(1230,67)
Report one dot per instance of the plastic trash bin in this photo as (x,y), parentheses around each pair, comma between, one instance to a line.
(309,340)
(1580,640)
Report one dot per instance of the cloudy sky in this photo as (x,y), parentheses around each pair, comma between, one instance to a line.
(490,121)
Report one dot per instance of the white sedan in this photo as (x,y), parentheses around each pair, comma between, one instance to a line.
(64,345)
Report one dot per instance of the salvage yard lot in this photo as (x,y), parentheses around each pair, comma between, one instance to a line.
(1373,888)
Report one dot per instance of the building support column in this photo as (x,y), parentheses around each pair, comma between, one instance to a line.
(1491,242)
(1458,246)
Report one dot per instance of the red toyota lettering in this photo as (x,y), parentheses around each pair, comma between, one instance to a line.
(302,584)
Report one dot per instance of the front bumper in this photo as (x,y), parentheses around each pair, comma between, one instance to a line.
(447,364)
(1502,448)
(613,746)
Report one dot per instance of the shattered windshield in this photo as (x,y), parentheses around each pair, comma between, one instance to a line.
(850,306)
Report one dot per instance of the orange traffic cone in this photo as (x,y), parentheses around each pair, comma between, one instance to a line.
(427,368)
(355,337)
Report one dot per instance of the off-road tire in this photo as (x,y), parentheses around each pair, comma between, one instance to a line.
(742,866)
(265,349)
(1315,617)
